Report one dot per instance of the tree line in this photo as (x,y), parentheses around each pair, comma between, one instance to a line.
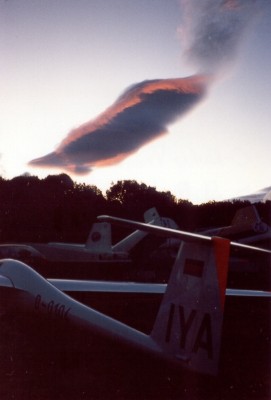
(58,209)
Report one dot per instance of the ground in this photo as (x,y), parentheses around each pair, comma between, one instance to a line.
(40,361)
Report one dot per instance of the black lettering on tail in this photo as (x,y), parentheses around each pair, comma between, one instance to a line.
(204,338)
(185,324)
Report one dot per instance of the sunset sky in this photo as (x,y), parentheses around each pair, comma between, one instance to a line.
(172,93)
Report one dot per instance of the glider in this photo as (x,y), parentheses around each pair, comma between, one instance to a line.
(188,327)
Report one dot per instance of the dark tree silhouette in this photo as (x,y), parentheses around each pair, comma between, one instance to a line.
(56,208)
(136,198)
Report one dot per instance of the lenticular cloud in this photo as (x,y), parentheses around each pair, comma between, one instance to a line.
(141,114)
(211,33)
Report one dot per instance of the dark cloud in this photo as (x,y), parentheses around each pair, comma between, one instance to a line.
(212,30)
(141,114)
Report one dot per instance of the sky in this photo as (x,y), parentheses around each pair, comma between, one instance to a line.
(171,93)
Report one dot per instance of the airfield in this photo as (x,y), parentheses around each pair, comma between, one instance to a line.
(41,360)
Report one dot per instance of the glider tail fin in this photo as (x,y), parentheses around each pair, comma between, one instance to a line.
(99,239)
(189,322)
(246,223)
